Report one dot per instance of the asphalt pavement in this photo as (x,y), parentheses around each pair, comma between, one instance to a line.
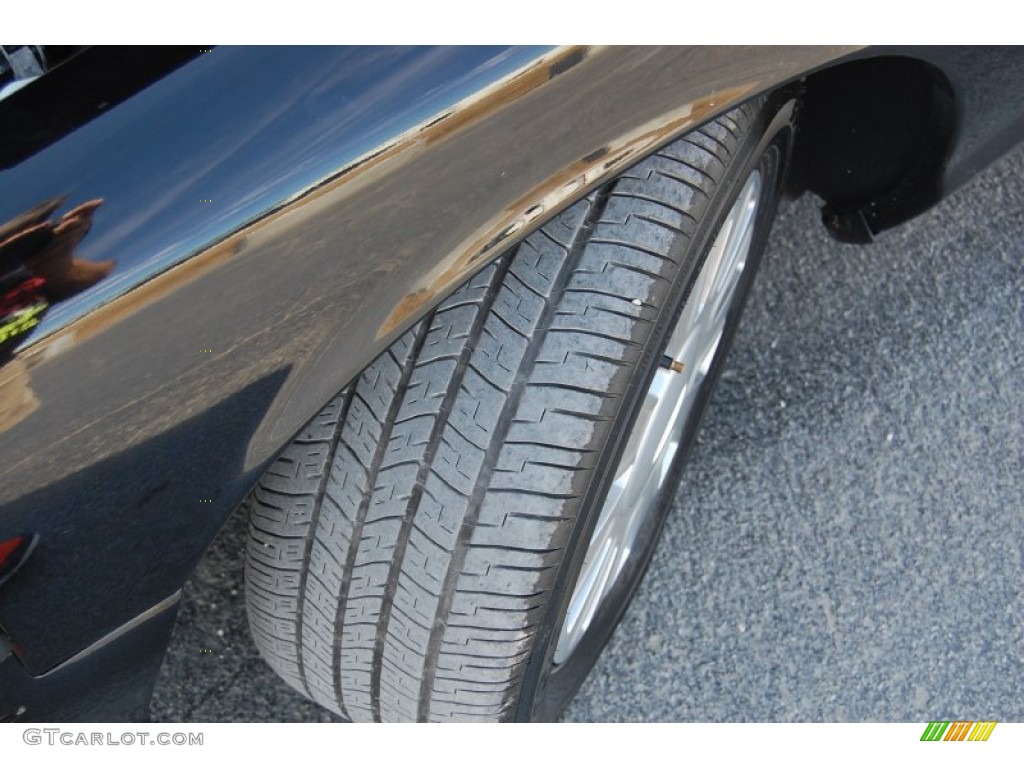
(847,543)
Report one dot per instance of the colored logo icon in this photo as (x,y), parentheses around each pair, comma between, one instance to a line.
(958,731)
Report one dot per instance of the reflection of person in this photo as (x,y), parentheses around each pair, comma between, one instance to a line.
(46,249)
(38,267)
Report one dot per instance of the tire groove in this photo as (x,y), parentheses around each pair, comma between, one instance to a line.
(656,201)
(357,526)
(314,522)
(632,246)
(691,166)
(501,430)
(412,506)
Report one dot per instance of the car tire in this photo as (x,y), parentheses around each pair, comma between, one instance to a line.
(414,553)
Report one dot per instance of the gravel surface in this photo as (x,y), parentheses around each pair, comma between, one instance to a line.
(847,542)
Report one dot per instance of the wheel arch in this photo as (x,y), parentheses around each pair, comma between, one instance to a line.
(874,137)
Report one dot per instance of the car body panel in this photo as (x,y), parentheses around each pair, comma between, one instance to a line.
(277,217)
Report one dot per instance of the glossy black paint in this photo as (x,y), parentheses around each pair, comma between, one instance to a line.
(114,683)
(103,77)
(243,128)
(247,129)
(349,190)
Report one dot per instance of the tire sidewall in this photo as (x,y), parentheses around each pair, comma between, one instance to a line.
(544,694)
